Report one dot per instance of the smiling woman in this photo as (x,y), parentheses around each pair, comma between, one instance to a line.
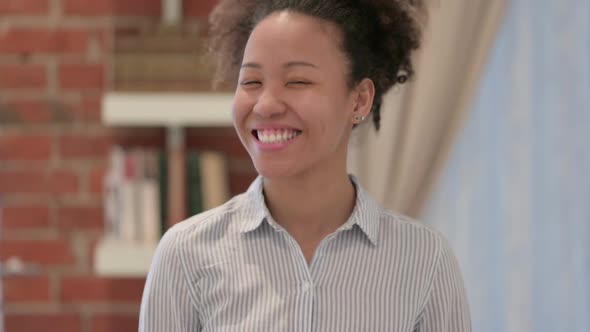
(306,248)
(298,86)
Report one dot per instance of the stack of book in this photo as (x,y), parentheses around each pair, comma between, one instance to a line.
(138,191)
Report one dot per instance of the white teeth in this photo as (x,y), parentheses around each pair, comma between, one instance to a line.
(276,136)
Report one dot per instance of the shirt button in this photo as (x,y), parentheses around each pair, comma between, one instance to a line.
(306,286)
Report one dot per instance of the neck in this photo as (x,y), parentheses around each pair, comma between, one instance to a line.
(311,205)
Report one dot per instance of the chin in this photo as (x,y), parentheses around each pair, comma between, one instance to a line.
(274,170)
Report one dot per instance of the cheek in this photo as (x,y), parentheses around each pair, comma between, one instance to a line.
(240,108)
(313,105)
(330,109)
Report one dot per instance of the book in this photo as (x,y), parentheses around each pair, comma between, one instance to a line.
(147,191)
(195,194)
(112,192)
(214,178)
(128,215)
(176,185)
(163,189)
(149,231)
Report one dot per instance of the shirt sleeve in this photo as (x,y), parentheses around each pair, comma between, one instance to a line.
(166,303)
(446,308)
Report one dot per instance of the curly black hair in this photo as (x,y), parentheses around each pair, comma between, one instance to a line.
(378,36)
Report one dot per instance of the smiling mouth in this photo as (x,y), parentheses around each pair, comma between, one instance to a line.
(275,136)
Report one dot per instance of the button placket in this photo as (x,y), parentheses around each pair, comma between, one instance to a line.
(316,270)
(304,285)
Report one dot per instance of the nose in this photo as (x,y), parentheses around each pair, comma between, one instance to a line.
(269,104)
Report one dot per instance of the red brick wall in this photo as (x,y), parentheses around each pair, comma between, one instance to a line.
(54,69)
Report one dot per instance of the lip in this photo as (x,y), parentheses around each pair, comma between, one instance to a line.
(275,126)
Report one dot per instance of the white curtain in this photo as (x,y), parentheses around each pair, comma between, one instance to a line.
(399,164)
(514,200)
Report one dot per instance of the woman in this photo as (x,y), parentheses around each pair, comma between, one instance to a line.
(305,248)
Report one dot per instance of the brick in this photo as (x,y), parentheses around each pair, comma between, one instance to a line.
(39,112)
(138,7)
(61,111)
(90,289)
(25,217)
(92,245)
(24,7)
(190,86)
(45,252)
(161,68)
(81,76)
(106,37)
(81,218)
(89,110)
(170,46)
(88,7)
(96,180)
(20,290)
(39,182)
(58,322)
(31,112)
(98,145)
(83,146)
(22,76)
(198,8)
(114,322)
(52,41)
(126,31)
(112,7)
(25,147)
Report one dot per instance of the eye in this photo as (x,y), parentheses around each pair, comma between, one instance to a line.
(250,85)
(253,82)
(298,83)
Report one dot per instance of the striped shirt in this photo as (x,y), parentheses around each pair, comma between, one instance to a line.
(234,268)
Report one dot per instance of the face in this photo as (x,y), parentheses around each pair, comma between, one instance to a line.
(293,108)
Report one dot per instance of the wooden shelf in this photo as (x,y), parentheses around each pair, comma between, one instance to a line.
(174,111)
(116,258)
(167,109)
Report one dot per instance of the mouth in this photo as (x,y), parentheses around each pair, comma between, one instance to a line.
(275,136)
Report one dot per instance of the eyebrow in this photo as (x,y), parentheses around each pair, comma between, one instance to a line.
(286,65)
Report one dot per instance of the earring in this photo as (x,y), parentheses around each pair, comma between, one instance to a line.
(358,118)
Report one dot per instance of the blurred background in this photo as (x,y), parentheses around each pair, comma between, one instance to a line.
(110,132)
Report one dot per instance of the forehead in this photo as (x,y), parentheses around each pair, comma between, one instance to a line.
(292,34)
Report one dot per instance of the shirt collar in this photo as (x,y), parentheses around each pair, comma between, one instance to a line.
(366,213)
(255,208)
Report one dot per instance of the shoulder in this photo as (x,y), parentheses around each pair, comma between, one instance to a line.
(393,222)
(423,243)
(216,221)
(206,231)
(420,245)
(412,236)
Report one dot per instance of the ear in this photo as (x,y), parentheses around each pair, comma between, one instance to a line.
(365,93)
